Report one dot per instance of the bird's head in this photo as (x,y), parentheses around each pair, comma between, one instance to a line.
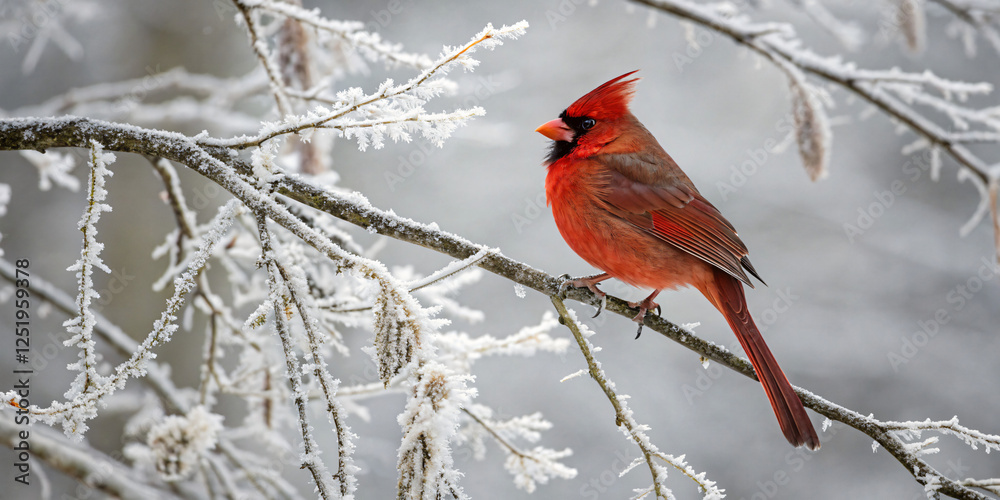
(592,121)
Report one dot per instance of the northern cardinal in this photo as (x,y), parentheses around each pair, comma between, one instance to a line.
(622,203)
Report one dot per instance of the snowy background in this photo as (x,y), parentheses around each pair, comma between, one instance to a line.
(842,315)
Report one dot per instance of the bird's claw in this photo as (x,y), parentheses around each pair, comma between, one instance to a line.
(600,305)
(644,306)
(588,282)
(639,317)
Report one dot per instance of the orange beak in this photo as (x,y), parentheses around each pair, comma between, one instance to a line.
(557,130)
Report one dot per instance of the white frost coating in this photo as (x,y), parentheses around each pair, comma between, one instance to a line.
(393,111)
(582,371)
(369,44)
(461,351)
(178,443)
(922,447)
(542,465)
(53,168)
(439,285)
(74,413)
(932,485)
(964,174)
(429,422)
(636,432)
(80,328)
(935,163)
(529,467)
(971,437)
(519,290)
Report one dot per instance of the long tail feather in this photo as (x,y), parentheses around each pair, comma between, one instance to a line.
(729,299)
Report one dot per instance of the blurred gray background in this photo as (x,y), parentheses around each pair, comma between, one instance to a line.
(836,311)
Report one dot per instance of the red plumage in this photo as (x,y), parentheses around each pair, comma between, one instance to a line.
(622,203)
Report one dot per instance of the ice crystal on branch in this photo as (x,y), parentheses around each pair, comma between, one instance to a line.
(53,168)
(81,327)
(393,111)
(178,443)
(429,421)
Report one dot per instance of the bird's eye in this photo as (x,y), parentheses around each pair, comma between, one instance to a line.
(588,123)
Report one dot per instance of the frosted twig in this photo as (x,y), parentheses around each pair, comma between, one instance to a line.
(350,32)
(979,16)
(623,415)
(971,437)
(81,326)
(260,48)
(353,101)
(294,285)
(529,467)
(442,274)
(311,459)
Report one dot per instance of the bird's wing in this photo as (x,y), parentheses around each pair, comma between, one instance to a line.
(679,215)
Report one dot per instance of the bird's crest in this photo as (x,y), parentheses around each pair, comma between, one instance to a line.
(610,100)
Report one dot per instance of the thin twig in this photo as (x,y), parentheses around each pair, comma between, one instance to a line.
(622,416)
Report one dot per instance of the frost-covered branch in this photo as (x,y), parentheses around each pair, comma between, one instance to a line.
(81,326)
(74,413)
(371,44)
(776,42)
(278,297)
(633,430)
(91,467)
(357,211)
(157,378)
(258,43)
(39,134)
(894,91)
(975,17)
(401,103)
(312,268)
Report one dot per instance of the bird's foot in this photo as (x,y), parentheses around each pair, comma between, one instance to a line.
(646,304)
(589,282)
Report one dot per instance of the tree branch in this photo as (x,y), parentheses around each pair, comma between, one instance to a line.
(43,133)
(766,40)
(91,467)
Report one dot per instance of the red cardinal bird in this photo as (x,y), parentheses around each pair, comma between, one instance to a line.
(623,204)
